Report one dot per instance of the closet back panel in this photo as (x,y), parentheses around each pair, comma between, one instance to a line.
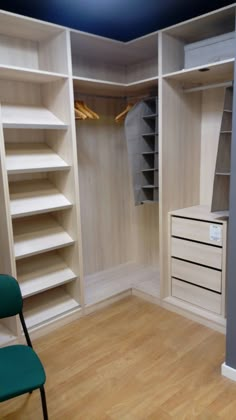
(181,141)
(212,108)
(114,231)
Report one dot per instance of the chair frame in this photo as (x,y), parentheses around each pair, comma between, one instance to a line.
(29,343)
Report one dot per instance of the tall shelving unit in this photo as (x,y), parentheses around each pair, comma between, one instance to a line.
(126,249)
(38,170)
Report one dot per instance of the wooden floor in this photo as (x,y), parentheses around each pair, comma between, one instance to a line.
(131,361)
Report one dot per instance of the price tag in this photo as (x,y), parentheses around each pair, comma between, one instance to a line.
(215,233)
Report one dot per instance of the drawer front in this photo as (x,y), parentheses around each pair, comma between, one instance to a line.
(197,296)
(197,274)
(197,252)
(196,230)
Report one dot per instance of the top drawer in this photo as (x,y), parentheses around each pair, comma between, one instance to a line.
(196,230)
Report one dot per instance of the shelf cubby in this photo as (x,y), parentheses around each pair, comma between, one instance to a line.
(38,234)
(35,197)
(48,306)
(36,157)
(35,277)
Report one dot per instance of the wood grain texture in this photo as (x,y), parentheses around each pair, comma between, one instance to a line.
(158,365)
(212,108)
(180,133)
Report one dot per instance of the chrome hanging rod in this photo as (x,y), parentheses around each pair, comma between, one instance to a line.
(211,86)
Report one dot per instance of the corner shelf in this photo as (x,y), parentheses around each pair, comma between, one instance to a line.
(47,307)
(34,197)
(22,116)
(32,157)
(35,278)
(37,235)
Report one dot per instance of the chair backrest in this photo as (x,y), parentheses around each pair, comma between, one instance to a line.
(10,296)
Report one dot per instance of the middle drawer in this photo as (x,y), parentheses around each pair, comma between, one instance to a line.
(196,274)
(208,255)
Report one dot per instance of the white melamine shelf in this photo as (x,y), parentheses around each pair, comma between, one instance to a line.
(6,335)
(115,87)
(32,157)
(37,235)
(38,273)
(48,306)
(22,74)
(22,116)
(35,197)
(222,71)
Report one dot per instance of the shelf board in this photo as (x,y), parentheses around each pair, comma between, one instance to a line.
(228,110)
(34,197)
(223,173)
(37,235)
(149,134)
(35,277)
(22,116)
(150,117)
(150,170)
(150,201)
(22,74)
(48,306)
(226,132)
(150,153)
(149,186)
(96,85)
(32,157)
(219,72)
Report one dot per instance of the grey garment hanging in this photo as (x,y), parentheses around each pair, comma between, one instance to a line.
(141,133)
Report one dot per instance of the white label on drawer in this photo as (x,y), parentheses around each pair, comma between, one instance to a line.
(215,233)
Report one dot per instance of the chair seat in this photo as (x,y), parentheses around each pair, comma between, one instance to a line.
(20,371)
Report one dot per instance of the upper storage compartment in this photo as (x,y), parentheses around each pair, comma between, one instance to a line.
(104,63)
(200,43)
(30,45)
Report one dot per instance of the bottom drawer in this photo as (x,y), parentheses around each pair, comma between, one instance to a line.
(196,295)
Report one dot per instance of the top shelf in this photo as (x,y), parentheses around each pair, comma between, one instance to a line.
(21,116)
(218,73)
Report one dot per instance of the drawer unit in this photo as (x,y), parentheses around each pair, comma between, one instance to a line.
(197,259)
(196,252)
(196,295)
(196,274)
(196,230)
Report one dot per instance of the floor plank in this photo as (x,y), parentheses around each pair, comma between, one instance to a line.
(131,361)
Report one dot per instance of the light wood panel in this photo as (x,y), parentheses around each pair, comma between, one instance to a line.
(117,369)
(195,230)
(212,108)
(180,131)
(196,252)
(196,274)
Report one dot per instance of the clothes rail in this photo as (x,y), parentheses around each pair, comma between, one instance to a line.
(210,86)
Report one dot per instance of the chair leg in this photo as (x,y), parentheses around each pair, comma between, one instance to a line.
(44,403)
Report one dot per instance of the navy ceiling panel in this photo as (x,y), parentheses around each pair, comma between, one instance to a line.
(118,19)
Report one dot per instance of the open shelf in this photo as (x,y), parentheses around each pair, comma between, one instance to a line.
(35,277)
(21,116)
(48,306)
(21,74)
(220,72)
(32,157)
(38,234)
(34,197)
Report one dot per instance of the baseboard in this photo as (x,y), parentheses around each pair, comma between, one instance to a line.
(228,372)
(93,307)
(145,296)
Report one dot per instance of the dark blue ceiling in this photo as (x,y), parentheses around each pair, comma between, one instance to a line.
(118,19)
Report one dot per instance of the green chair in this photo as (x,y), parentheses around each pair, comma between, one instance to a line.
(20,368)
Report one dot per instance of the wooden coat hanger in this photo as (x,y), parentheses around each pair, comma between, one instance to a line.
(122,115)
(79,115)
(82,107)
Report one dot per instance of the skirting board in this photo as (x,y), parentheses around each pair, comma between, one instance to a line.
(228,372)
